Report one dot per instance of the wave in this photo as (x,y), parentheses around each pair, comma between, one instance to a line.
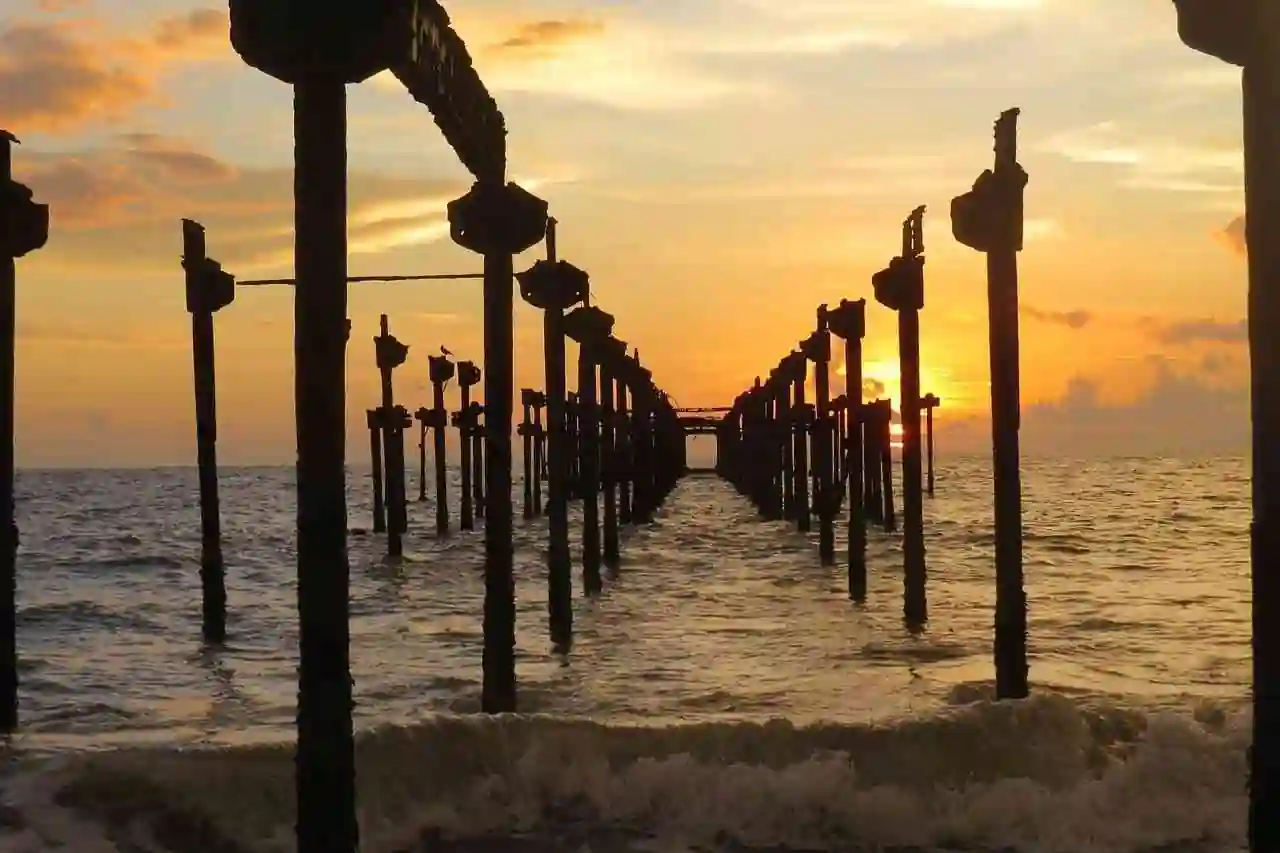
(79,614)
(1045,774)
(138,561)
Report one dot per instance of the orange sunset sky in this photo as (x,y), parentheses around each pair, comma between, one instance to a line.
(720,167)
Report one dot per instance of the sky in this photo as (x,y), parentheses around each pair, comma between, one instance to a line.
(719,168)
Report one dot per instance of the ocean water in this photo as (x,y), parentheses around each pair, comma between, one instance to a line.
(722,694)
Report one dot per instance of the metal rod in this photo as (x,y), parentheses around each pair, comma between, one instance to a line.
(356,279)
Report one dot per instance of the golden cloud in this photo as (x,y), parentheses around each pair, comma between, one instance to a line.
(61,5)
(114,207)
(199,32)
(1075,319)
(1155,163)
(86,192)
(1203,331)
(176,160)
(58,76)
(540,38)
(142,178)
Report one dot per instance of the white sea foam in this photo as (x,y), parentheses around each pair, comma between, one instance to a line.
(1043,775)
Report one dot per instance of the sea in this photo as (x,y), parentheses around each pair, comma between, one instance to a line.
(722,694)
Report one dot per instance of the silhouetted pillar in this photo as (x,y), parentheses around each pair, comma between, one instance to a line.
(468,376)
(1261,90)
(208,290)
(872,500)
(325,746)
(478,475)
(642,459)
(771,446)
(626,461)
(756,462)
(886,465)
(326,815)
(440,371)
(772,456)
(1247,33)
(525,431)
(801,415)
(25,229)
(929,402)
(900,287)
(591,328)
(848,322)
(389,354)
(375,463)
(609,464)
(402,421)
(780,499)
(554,286)
(498,220)
(539,452)
(838,442)
(989,219)
(559,461)
(422,416)
(817,348)
(588,476)
(574,443)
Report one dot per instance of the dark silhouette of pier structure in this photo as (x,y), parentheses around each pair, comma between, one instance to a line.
(1246,34)
(616,442)
(24,228)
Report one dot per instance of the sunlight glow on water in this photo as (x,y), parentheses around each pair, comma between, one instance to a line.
(1137,578)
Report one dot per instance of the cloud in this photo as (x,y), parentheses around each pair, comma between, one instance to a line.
(1155,164)
(832,26)
(112,206)
(537,37)
(58,76)
(176,160)
(147,176)
(437,318)
(1176,413)
(616,58)
(196,32)
(1191,412)
(1076,319)
(84,193)
(386,234)
(626,70)
(1216,76)
(61,5)
(1040,228)
(1203,331)
(68,334)
(840,177)
(52,80)
(675,56)
(1234,236)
